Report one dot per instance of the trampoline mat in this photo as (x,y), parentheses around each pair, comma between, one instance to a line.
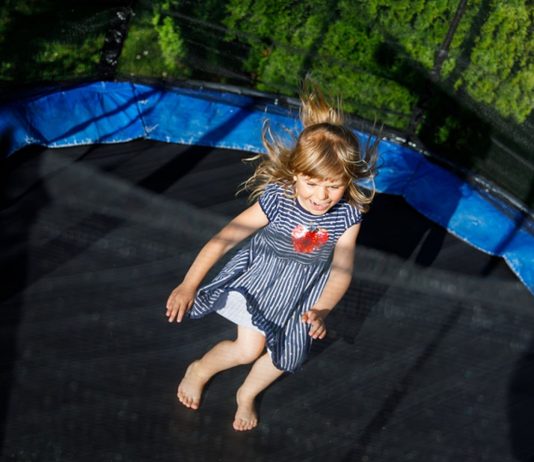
(428,357)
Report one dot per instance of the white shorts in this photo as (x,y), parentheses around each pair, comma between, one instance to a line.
(235,310)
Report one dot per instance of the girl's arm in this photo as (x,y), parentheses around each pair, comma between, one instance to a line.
(242,226)
(337,284)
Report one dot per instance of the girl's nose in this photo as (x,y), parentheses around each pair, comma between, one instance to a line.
(323,193)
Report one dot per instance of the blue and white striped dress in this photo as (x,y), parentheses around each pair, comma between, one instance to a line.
(280,274)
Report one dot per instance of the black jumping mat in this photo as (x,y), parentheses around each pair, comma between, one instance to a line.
(429,357)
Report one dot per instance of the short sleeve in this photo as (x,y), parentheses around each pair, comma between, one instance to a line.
(352,216)
(269,200)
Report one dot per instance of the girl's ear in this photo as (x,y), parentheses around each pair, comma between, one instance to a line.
(295,178)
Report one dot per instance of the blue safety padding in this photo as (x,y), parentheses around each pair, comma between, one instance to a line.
(113,112)
(208,118)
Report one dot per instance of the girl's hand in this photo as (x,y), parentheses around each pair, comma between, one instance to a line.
(179,302)
(316,318)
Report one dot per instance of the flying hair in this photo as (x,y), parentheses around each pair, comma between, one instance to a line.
(315,110)
(326,149)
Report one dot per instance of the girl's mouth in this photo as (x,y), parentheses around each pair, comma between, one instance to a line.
(319,207)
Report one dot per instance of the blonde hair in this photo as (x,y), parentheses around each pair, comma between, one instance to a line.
(325,149)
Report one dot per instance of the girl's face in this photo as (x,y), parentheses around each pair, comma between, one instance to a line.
(316,195)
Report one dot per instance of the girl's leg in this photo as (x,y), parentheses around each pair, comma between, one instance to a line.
(262,374)
(246,348)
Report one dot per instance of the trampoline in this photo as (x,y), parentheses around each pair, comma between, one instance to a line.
(428,356)
(109,188)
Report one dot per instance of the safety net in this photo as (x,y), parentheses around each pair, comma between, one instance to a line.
(123,127)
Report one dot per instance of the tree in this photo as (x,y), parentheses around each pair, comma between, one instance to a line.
(376,53)
(501,69)
(331,40)
(155,46)
(61,47)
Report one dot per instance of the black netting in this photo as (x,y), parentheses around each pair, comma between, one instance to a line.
(455,77)
(429,356)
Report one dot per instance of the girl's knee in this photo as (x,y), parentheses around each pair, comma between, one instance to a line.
(249,347)
(247,356)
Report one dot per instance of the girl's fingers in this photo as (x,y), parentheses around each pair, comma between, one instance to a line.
(318,330)
(170,302)
(170,314)
(181,312)
(182,309)
(174,311)
(178,303)
(322,334)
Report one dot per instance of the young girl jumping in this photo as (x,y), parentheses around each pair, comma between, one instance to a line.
(281,286)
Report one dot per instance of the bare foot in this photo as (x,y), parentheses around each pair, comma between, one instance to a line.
(191,386)
(245,417)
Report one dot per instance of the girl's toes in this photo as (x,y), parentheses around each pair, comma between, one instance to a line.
(244,425)
(184,399)
(239,425)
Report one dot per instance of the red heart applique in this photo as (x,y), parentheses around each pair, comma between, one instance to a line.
(306,240)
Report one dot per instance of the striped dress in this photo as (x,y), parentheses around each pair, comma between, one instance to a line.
(279,274)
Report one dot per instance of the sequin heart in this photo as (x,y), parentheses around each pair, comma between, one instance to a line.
(306,239)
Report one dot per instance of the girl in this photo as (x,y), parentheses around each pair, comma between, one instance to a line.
(281,286)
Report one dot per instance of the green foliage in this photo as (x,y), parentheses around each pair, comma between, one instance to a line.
(61,46)
(379,56)
(415,26)
(169,37)
(154,46)
(374,54)
(501,71)
(331,40)
(357,47)
(278,34)
(282,65)
(170,42)
(141,54)
(347,65)
(57,59)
